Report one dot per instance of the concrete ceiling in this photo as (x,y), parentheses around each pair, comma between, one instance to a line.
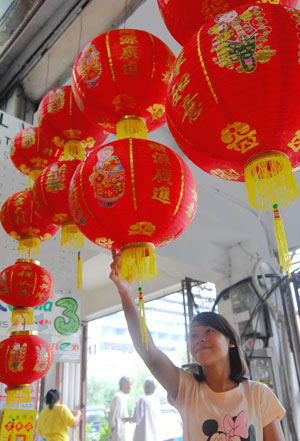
(39,55)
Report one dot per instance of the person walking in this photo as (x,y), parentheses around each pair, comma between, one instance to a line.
(118,414)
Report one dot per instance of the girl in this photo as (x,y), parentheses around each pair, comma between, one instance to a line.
(54,421)
(219,403)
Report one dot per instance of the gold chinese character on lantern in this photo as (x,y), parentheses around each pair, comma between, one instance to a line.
(189,210)
(161,158)
(239,137)
(131,68)
(146,228)
(104,242)
(179,87)
(156,111)
(161,194)
(179,62)
(192,110)
(295,142)
(157,147)
(128,38)
(129,52)
(163,175)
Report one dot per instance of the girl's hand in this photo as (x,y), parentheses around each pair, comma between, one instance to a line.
(115,273)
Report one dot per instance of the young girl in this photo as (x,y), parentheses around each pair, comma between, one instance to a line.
(219,403)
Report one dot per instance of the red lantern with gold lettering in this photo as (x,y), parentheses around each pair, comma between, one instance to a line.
(120,80)
(233,101)
(30,151)
(133,195)
(51,194)
(25,358)
(183,19)
(26,284)
(20,220)
(65,126)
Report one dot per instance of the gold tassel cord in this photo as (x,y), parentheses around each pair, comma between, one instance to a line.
(143,326)
(73,150)
(138,262)
(269,180)
(71,236)
(79,272)
(283,251)
(131,127)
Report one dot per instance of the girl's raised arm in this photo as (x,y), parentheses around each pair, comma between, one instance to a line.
(159,364)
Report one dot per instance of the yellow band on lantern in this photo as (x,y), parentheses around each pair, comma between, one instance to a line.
(138,262)
(36,262)
(73,150)
(22,314)
(24,333)
(29,245)
(71,236)
(270,180)
(33,174)
(131,126)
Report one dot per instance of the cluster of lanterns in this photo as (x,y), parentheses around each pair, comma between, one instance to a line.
(230,100)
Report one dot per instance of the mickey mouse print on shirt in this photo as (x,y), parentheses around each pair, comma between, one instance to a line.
(234,429)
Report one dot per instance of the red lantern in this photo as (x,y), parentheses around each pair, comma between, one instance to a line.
(25,358)
(133,195)
(183,19)
(51,194)
(20,220)
(233,102)
(120,80)
(26,284)
(65,126)
(31,151)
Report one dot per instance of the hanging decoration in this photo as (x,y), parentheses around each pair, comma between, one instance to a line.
(232,103)
(25,358)
(120,80)
(30,152)
(65,125)
(20,220)
(183,19)
(133,195)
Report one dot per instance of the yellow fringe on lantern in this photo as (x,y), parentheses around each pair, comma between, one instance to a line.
(71,236)
(73,150)
(269,180)
(143,326)
(138,262)
(283,251)
(79,272)
(29,246)
(131,127)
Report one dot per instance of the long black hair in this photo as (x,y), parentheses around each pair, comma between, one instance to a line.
(52,397)
(238,365)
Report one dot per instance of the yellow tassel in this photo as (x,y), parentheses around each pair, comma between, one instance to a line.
(71,236)
(138,262)
(73,150)
(131,127)
(29,246)
(269,180)
(283,251)
(33,174)
(79,271)
(143,326)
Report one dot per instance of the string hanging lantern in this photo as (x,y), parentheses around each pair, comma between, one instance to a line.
(30,151)
(183,19)
(233,100)
(20,220)
(65,125)
(119,81)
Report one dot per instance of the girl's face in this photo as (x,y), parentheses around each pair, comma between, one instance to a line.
(208,346)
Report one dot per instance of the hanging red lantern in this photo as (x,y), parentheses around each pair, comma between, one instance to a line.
(120,80)
(20,220)
(26,284)
(232,104)
(51,194)
(133,195)
(25,358)
(183,19)
(30,151)
(65,125)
